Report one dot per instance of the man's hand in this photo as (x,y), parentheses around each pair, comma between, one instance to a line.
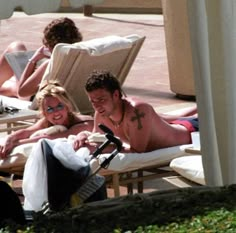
(80,140)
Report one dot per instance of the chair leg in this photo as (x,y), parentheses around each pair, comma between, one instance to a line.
(130,185)
(116,184)
(140,183)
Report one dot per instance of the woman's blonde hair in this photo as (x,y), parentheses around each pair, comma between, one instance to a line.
(54,89)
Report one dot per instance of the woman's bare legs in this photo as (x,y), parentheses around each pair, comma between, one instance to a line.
(187,112)
(9,88)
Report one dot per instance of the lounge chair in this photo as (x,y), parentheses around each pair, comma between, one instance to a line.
(36,166)
(135,168)
(125,169)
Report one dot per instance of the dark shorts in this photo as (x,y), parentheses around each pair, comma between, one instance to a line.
(190,123)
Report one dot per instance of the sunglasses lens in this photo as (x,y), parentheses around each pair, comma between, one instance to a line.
(59,107)
(50,110)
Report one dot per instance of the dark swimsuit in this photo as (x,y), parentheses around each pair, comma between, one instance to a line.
(191,123)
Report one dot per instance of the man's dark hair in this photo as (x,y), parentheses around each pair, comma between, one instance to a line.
(103,80)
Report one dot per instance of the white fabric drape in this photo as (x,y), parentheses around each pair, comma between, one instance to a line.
(31,7)
(213,42)
(28,6)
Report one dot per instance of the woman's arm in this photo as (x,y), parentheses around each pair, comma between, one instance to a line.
(73,130)
(32,75)
(20,137)
(30,79)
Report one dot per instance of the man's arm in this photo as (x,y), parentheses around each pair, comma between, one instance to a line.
(81,139)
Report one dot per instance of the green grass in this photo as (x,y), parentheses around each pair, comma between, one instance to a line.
(218,221)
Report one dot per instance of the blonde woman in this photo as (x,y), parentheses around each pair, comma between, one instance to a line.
(58,118)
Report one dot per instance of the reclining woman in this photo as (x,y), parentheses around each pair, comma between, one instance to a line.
(61,30)
(57,112)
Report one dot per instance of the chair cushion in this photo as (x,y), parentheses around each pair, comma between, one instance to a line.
(131,161)
(189,167)
(15,102)
(100,46)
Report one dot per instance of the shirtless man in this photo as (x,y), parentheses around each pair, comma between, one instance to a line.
(136,123)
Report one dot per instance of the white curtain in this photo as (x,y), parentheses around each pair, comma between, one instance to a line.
(28,6)
(213,42)
(31,7)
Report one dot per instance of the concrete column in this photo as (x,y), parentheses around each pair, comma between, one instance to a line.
(178,47)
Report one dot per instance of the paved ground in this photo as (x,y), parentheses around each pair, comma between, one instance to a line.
(148,78)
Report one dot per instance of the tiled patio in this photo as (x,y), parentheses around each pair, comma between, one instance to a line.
(148,78)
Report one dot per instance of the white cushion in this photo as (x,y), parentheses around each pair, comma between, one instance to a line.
(131,161)
(189,167)
(123,162)
(15,102)
(108,44)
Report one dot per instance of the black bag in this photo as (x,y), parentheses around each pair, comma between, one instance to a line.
(10,206)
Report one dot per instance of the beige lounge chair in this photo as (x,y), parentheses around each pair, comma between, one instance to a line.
(72,64)
(126,169)
(129,169)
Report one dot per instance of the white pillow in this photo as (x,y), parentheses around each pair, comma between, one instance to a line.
(189,167)
(104,45)
(130,161)
(15,102)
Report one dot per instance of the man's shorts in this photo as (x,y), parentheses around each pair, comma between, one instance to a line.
(191,123)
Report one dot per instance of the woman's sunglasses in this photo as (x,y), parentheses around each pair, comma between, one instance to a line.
(59,107)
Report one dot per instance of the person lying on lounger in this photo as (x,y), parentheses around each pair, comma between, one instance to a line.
(57,117)
(60,30)
(136,123)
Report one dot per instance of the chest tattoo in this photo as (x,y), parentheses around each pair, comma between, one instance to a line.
(138,116)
